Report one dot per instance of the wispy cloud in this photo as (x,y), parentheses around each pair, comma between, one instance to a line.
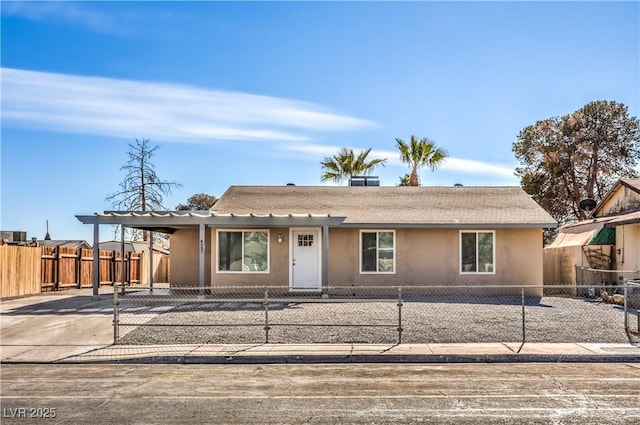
(471,166)
(316,149)
(459,165)
(169,112)
(63,11)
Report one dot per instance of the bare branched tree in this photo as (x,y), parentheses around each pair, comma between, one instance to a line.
(141,189)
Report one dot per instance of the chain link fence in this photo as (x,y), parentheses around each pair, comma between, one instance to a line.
(609,281)
(385,315)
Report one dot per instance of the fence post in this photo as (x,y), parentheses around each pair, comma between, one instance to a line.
(129,267)
(123,268)
(399,315)
(266,316)
(79,266)
(56,262)
(116,315)
(626,306)
(524,335)
(113,270)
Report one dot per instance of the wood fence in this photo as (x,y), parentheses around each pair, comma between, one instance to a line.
(160,268)
(73,268)
(559,268)
(27,270)
(19,271)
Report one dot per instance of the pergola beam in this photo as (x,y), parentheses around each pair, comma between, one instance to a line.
(171,223)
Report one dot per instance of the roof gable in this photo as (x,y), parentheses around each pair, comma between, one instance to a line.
(419,206)
(623,196)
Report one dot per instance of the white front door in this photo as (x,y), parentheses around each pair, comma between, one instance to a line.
(305,259)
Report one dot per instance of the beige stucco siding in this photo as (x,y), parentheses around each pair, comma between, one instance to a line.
(422,257)
(628,242)
(184,258)
(431,257)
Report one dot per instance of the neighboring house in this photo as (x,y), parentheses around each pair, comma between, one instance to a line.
(132,246)
(610,240)
(308,238)
(69,243)
(160,258)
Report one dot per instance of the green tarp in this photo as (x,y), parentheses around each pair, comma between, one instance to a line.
(606,236)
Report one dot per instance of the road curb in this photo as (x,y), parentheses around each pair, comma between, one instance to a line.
(359,358)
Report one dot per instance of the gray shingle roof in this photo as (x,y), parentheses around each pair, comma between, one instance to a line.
(65,243)
(420,206)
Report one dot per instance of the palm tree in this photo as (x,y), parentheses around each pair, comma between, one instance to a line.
(345,164)
(405,180)
(418,153)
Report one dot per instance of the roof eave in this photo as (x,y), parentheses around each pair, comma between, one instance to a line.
(452,225)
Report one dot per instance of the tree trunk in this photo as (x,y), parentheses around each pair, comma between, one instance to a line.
(413,179)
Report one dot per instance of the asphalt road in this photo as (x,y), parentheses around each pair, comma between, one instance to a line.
(321,394)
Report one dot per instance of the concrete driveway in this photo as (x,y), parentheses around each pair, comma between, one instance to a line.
(52,327)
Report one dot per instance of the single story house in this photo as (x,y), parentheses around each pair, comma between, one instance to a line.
(133,246)
(11,237)
(308,238)
(609,240)
(154,264)
(73,243)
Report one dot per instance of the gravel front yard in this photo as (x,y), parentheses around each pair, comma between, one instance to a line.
(430,320)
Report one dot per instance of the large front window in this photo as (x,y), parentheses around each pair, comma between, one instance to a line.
(377,253)
(243,251)
(477,252)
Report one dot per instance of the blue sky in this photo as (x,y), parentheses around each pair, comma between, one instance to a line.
(260,93)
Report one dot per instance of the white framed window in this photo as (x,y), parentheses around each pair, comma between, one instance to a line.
(377,251)
(477,252)
(242,251)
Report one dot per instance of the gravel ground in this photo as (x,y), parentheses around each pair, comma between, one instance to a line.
(430,320)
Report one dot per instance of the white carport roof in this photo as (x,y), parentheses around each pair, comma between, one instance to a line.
(170,221)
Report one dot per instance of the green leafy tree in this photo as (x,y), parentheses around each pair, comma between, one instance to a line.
(345,164)
(198,202)
(580,155)
(420,153)
(141,189)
